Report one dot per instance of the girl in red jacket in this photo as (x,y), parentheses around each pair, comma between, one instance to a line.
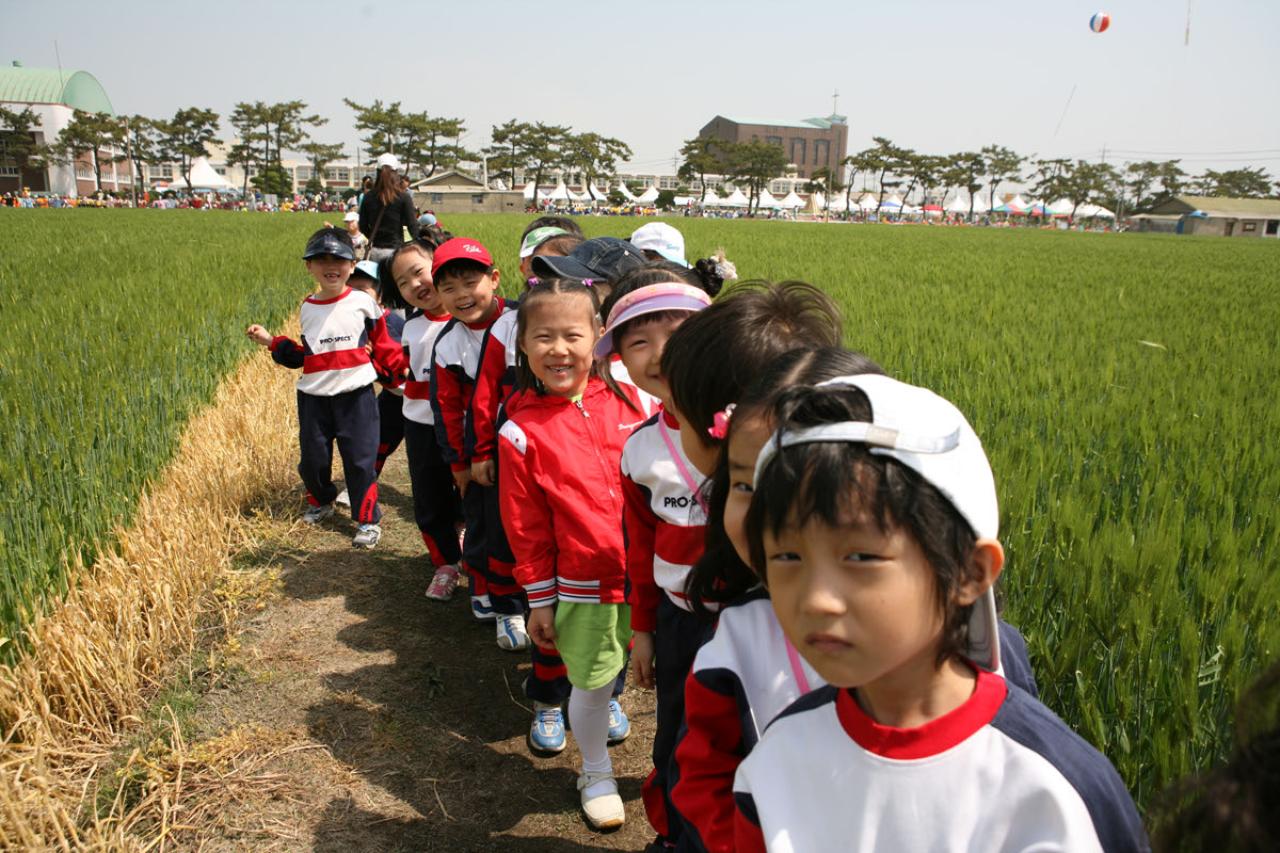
(561,500)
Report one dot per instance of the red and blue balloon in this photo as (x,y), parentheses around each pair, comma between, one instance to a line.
(1099,22)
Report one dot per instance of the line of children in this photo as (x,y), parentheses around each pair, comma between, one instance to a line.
(741,536)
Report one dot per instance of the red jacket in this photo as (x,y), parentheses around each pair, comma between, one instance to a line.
(561,493)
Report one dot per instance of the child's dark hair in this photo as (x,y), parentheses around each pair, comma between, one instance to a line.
(720,576)
(460,267)
(552,222)
(716,353)
(1235,806)
(432,236)
(546,289)
(388,292)
(836,481)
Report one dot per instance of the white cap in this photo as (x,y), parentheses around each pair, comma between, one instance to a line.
(661,238)
(389,160)
(351,216)
(929,435)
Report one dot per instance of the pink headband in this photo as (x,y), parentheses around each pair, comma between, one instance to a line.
(650,299)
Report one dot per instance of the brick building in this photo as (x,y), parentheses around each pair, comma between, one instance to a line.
(809,144)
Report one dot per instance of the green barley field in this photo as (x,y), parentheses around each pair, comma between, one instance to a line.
(1123,385)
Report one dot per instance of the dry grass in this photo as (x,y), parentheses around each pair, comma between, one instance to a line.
(101,655)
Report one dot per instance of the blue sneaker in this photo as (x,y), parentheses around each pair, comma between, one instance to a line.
(547,732)
(482,608)
(619,725)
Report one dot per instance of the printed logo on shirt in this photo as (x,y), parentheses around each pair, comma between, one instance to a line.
(336,339)
(679,503)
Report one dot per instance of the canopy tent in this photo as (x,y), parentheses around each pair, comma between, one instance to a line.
(203,177)
(868,202)
(891,202)
(682,200)
(932,210)
(579,197)
(1017,204)
(837,203)
(1061,207)
(766,201)
(817,201)
(791,201)
(560,193)
(710,199)
(530,190)
(595,195)
(626,193)
(735,199)
(649,196)
(1092,211)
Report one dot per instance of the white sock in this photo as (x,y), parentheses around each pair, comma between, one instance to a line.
(589,719)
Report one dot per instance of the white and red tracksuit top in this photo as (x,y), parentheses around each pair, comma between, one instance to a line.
(419,340)
(1000,772)
(456,364)
(561,493)
(664,524)
(494,384)
(332,353)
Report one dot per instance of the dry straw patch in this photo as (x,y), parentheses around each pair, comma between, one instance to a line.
(104,652)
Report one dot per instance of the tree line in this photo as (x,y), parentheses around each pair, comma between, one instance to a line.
(1134,187)
(426,144)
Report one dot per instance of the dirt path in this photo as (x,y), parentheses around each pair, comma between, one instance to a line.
(395,722)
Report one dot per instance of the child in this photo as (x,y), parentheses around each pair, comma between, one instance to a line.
(747,673)
(463,274)
(358,240)
(406,281)
(561,498)
(662,518)
(390,400)
(335,393)
(873,523)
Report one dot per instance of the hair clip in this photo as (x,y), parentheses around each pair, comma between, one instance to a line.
(720,423)
(532,281)
(588,282)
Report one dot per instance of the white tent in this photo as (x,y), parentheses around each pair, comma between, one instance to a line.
(868,202)
(560,193)
(529,191)
(203,177)
(792,201)
(649,196)
(711,199)
(838,203)
(594,194)
(891,201)
(580,197)
(960,204)
(1017,203)
(1090,211)
(766,201)
(626,193)
(682,200)
(736,199)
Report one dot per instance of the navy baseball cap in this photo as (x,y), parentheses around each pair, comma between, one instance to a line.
(330,241)
(601,259)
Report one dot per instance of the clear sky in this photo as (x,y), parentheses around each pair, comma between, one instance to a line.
(935,75)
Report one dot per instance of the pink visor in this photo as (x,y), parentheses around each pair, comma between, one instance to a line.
(651,299)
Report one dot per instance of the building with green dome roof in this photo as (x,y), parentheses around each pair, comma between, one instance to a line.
(54,95)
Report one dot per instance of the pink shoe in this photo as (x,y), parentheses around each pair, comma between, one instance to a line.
(443,583)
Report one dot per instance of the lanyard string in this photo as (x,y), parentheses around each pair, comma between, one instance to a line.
(802,681)
(678,458)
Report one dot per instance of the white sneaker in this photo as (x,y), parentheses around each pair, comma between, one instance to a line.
(367,536)
(482,607)
(600,801)
(512,636)
(343,499)
(317,514)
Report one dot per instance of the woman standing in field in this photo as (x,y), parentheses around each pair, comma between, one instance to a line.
(387,210)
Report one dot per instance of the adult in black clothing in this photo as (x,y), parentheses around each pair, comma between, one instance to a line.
(387,210)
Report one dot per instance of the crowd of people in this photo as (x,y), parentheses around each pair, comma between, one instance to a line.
(634,474)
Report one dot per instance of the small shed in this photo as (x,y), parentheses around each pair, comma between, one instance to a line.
(456,192)
(1218,216)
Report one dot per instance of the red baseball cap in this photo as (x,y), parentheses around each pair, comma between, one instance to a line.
(460,247)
